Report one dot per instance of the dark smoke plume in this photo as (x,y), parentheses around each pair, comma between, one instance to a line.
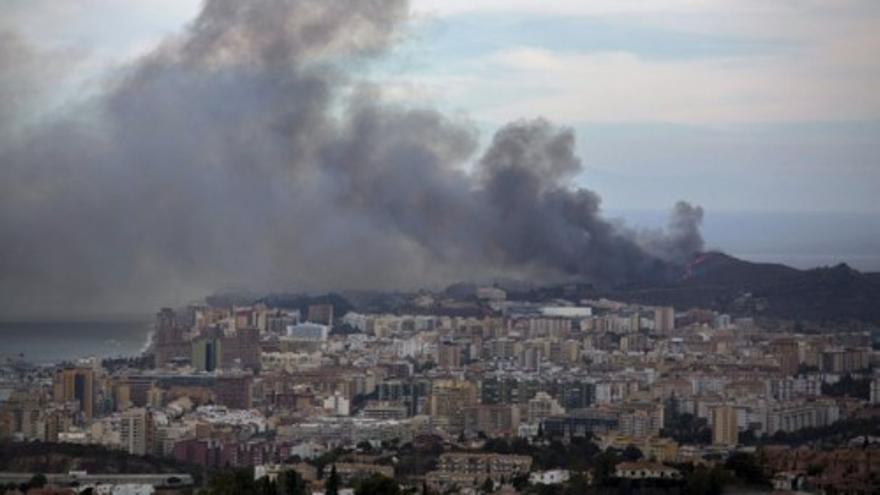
(241,153)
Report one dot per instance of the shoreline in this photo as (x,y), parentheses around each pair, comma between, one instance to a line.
(47,343)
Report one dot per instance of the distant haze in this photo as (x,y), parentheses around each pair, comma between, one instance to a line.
(798,239)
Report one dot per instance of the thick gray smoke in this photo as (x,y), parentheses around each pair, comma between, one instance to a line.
(240,153)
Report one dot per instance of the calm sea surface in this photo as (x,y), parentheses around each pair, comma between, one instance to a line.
(56,341)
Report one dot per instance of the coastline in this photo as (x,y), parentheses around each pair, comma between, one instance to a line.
(48,343)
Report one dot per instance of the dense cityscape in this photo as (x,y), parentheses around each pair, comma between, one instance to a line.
(469,390)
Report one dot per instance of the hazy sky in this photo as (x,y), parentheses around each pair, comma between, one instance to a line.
(746,105)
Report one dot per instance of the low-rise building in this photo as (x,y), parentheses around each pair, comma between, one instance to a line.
(462,470)
(646,471)
(550,477)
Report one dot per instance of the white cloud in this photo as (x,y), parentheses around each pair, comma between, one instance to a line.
(555,7)
(620,87)
(112,27)
(827,70)
(774,18)
(822,67)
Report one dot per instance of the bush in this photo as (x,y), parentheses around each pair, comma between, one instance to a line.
(377,485)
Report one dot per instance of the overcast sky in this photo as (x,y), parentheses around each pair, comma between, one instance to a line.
(747,105)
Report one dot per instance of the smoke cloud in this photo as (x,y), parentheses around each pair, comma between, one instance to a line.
(246,152)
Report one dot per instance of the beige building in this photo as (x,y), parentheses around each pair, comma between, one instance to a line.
(350,471)
(494,419)
(724,426)
(653,448)
(21,415)
(449,355)
(450,401)
(464,470)
(320,313)
(844,360)
(543,406)
(76,385)
(646,471)
(664,319)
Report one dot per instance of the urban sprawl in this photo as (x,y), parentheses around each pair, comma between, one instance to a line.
(461,393)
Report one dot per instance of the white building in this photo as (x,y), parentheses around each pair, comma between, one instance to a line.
(337,405)
(551,477)
(645,470)
(290,361)
(308,450)
(134,429)
(567,311)
(491,294)
(790,417)
(543,406)
(311,332)
(356,320)
(121,489)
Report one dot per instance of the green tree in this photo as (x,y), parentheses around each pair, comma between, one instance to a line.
(849,387)
(577,485)
(37,481)
(704,481)
(520,482)
(233,482)
(332,485)
(687,428)
(292,483)
(377,485)
(631,453)
(265,486)
(747,468)
(603,470)
(488,486)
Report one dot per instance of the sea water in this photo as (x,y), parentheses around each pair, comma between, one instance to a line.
(46,342)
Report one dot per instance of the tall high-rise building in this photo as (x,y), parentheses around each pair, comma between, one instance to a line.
(664,319)
(20,415)
(206,353)
(450,401)
(844,360)
(76,384)
(321,313)
(449,355)
(278,321)
(234,390)
(136,431)
(121,396)
(244,317)
(241,349)
(170,341)
(724,426)
(786,352)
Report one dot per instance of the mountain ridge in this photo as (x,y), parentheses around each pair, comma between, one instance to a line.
(725,283)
